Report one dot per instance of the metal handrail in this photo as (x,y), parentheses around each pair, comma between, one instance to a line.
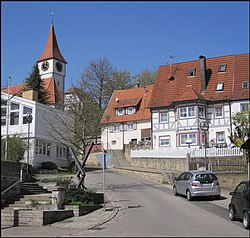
(10,187)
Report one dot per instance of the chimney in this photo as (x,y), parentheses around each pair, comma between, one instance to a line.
(30,94)
(203,73)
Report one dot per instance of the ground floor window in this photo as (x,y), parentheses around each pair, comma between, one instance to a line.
(188,137)
(164,141)
(61,152)
(220,137)
(42,148)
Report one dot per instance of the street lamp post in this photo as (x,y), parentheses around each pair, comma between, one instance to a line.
(204,126)
(29,119)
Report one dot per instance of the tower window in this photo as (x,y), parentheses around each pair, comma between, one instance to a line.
(222,68)
(192,72)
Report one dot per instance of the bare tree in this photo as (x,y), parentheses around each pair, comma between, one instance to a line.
(121,79)
(82,124)
(97,79)
(146,77)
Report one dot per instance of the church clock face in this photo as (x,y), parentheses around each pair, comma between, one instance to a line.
(59,66)
(45,65)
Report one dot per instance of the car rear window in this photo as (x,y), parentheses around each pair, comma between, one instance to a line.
(205,177)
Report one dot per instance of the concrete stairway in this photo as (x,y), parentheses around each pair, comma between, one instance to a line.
(28,188)
(32,196)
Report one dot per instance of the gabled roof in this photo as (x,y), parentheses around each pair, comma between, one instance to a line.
(51,50)
(49,85)
(190,94)
(138,97)
(166,91)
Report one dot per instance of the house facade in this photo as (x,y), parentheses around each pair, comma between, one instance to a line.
(127,118)
(187,94)
(44,143)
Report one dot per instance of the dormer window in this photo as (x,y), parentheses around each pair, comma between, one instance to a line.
(245,85)
(120,111)
(192,72)
(131,110)
(220,87)
(222,68)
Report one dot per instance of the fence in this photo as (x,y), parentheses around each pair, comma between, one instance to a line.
(182,153)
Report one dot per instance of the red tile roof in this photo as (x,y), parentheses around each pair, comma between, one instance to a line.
(129,97)
(167,91)
(51,50)
(49,84)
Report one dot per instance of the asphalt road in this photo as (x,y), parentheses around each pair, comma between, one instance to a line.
(146,209)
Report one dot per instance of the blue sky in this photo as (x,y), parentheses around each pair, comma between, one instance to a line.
(132,35)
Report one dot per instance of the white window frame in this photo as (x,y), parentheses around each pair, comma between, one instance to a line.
(245,85)
(222,68)
(61,152)
(188,136)
(244,106)
(116,127)
(162,116)
(219,135)
(202,111)
(120,111)
(216,112)
(187,111)
(164,141)
(131,110)
(42,148)
(3,112)
(219,86)
(25,112)
(14,112)
(191,72)
(130,126)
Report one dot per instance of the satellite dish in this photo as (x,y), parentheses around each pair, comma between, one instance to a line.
(117,99)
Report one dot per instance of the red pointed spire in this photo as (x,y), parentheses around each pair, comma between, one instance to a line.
(51,49)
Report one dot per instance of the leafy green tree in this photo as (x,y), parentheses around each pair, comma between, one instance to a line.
(241,122)
(35,82)
(16,148)
(146,77)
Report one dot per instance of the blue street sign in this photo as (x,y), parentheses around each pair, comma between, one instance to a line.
(100,158)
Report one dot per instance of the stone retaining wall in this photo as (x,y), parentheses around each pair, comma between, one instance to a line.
(42,217)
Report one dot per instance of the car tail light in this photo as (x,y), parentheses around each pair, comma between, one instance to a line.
(194,184)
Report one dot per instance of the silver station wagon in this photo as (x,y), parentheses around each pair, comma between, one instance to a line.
(196,183)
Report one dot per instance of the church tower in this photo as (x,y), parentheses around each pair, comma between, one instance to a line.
(52,65)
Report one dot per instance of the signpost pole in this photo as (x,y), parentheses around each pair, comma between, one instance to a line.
(103,169)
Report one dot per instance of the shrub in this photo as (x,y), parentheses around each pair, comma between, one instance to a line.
(48,165)
(77,196)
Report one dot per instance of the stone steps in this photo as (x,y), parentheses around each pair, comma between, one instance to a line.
(32,196)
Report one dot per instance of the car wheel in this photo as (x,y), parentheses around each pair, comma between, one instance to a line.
(246,220)
(189,196)
(175,191)
(231,214)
